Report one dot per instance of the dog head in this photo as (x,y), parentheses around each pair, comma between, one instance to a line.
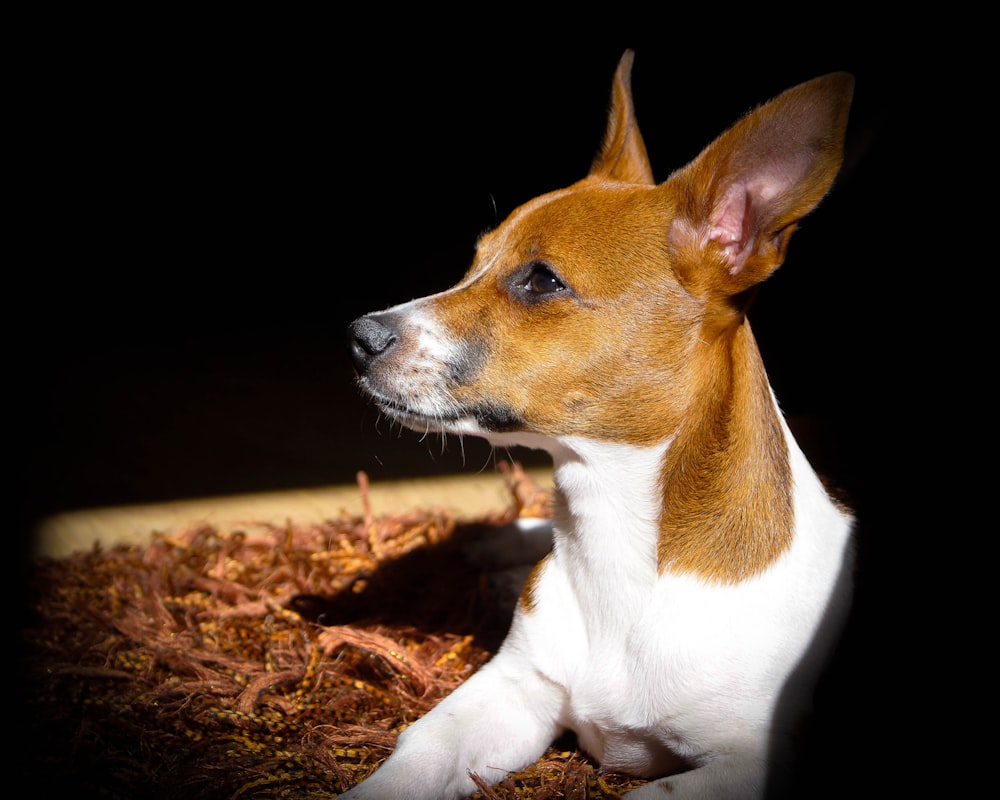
(602,309)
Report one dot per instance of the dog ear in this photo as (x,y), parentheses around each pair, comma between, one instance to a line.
(742,197)
(623,155)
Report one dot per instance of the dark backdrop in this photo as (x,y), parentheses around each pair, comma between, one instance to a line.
(209,209)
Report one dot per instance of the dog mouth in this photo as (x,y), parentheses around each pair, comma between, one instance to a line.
(406,414)
(447,417)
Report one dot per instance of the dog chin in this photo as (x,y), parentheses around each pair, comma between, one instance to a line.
(424,423)
(478,420)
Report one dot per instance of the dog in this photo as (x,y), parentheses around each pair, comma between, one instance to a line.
(699,570)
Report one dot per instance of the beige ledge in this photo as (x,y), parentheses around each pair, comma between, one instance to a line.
(466,496)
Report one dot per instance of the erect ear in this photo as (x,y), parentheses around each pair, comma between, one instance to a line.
(623,154)
(741,198)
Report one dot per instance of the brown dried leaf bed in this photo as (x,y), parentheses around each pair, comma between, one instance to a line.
(264,662)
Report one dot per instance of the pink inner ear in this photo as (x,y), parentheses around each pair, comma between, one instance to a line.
(731,225)
(736,219)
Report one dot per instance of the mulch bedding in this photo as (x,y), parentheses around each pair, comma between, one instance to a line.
(263,661)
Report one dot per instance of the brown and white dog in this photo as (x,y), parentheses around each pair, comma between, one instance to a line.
(679,622)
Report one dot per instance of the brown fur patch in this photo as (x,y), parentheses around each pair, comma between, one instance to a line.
(727,485)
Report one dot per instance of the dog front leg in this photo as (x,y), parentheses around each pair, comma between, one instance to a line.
(498,721)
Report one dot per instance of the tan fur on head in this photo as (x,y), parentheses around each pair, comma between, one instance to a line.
(552,361)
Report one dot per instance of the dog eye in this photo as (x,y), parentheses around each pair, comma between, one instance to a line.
(541,280)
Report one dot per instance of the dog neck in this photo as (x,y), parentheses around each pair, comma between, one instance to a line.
(713,499)
(727,499)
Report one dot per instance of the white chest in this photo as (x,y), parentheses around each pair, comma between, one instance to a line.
(652,665)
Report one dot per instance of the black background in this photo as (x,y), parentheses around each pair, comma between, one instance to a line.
(209,203)
(208,211)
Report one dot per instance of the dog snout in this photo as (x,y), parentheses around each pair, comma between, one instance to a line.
(369,338)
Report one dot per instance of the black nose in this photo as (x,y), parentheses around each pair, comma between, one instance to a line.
(368,338)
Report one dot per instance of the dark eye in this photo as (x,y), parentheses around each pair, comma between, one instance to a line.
(541,280)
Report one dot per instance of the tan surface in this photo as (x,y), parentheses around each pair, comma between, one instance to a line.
(464,495)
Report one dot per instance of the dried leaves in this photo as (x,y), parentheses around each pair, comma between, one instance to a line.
(262,662)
